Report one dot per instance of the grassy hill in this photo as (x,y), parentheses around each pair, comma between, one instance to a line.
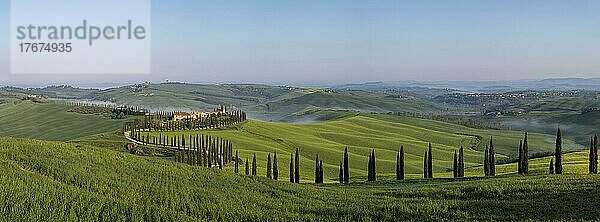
(63,182)
(361,133)
(51,121)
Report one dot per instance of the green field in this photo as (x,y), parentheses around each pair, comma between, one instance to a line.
(365,132)
(62,182)
(51,121)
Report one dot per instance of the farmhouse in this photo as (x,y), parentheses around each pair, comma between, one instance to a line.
(177,116)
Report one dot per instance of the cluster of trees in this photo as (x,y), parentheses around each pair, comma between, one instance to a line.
(489,159)
(198,150)
(165,122)
(458,168)
(523,163)
(121,112)
(428,164)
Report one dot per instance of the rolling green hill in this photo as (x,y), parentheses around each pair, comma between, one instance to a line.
(51,121)
(361,133)
(62,182)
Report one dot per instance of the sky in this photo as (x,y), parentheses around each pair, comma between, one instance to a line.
(347,41)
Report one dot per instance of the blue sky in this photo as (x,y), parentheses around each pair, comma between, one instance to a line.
(306,41)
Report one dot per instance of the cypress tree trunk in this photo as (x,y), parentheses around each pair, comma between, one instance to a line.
(237,164)
(461,162)
(341,176)
(430,163)
(551,167)
(297,167)
(425,174)
(525,156)
(247,167)
(254,165)
(455,165)
(346,167)
(492,156)
(291,167)
(558,153)
(269,166)
(275,167)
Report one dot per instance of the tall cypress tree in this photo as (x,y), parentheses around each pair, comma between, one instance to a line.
(492,156)
(269,167)
(372,174)
(317,170)
(254,165)
(520,163)
(297,167)
(525,156)
(321,176)
(461,162)
(346,167)
(291,167)
(558,153)
(247,167)
(595,149)
(455,165)
(551,167)
(237,164)
(591,156)
(430,163)
(425,174)
(275,167)
(341,176)
(400,164)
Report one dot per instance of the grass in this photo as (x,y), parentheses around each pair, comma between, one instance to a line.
(59,181)
(364,132)
(51,121)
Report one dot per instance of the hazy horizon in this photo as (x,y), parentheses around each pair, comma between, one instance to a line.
(337,42)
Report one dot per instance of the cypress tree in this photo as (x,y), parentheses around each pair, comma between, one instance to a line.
(400,164)
(237,164)
(247,167)
(525,156)
(341,176)
(269,167)
(291,167)
(455,165)
(591,156)
(558,153)
(372,175)
(425,175)
(595,149)
(317,170)
(346,167)
(486,162)
(551,167)
(275,167)
(297,167)
(430,163)
(461,162)
(321,176)
(492,156)
(520,163)
(254,165)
